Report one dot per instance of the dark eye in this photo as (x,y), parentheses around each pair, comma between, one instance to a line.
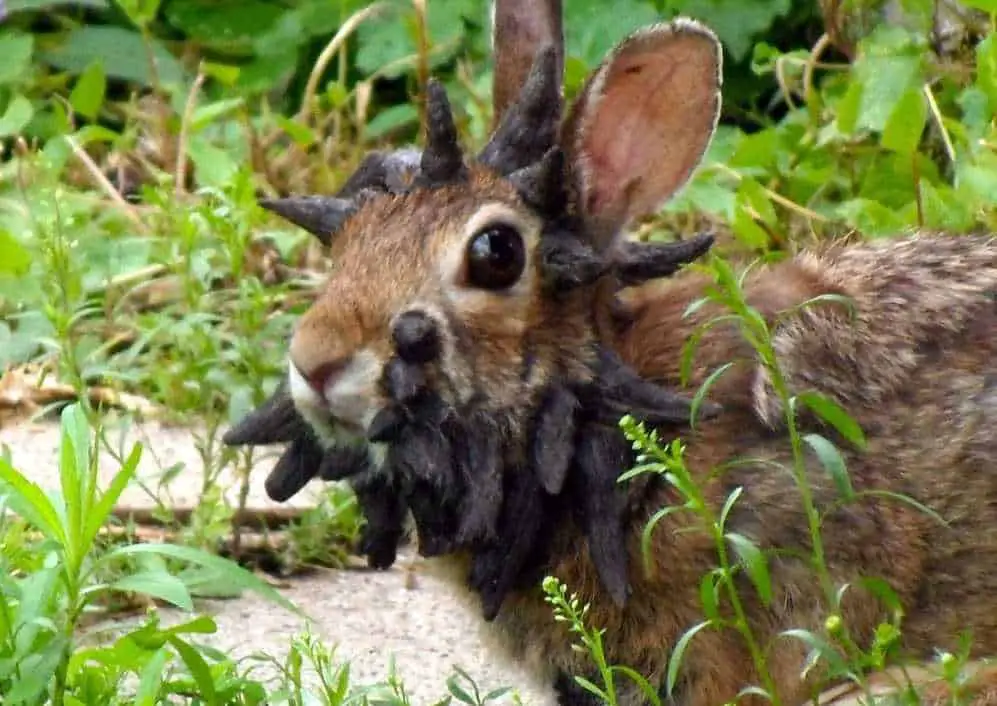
(495,257)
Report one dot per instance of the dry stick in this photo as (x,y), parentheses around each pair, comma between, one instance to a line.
(106,185)
(180,186)
(330,50)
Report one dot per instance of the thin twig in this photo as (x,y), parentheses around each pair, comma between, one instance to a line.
(808,68)
(330,50)
(936,114)
(778,198)
(180,186)
(105,185)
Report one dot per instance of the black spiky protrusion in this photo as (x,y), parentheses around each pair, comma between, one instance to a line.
(618,390)
(541,184)
(275,421)
(554,438)
(635,263)
(322,216)
(529,128)
(442,161)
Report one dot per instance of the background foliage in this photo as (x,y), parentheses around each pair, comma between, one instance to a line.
(136,136)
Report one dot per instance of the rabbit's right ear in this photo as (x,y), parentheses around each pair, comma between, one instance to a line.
(642,123)
(520,30)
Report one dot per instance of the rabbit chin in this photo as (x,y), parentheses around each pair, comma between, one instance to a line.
(348,407)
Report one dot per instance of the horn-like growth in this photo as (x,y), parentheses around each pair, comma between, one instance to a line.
(442,160)
(529,128)
(322,216)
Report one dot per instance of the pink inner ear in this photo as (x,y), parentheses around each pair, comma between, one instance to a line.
(651,114)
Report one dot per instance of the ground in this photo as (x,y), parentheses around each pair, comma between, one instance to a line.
(369,615)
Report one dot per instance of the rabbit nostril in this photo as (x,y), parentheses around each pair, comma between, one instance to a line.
(416,337)
(326,373)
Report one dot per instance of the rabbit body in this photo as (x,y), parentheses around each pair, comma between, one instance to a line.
(915,369)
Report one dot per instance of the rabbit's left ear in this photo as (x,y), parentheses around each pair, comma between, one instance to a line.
(642,123)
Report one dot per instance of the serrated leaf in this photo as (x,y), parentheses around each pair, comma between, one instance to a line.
(88,94)
(754,563)
(17,116)
(835,415)
(830,458)
(16,50)
(903,129)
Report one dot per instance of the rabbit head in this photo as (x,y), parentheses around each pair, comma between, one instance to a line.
(458,334)
(480,280)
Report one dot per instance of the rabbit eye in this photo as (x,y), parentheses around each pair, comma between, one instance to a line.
(495,257)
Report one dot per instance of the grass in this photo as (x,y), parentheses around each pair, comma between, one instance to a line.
(138,273)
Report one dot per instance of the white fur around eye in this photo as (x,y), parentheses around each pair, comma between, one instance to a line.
(452,263)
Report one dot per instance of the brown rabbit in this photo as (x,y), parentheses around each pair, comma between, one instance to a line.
(488,299)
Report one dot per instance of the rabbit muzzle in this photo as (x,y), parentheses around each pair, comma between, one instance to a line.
(340,398)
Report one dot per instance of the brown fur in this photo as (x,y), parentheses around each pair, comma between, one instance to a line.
(914,368)
(921,387)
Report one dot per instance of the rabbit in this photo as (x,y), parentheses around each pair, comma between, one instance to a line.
(487,299)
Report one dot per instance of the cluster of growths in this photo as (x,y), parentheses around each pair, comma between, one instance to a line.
(451,468)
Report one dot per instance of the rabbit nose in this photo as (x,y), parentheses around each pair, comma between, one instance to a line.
(325,375)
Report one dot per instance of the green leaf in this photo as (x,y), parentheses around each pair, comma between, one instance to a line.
(198,668)
(988,6)
(736,22)
(37,5)
(88,93)
(14,257)
(151,679)
(754,562)
(158,584)
(675,659)
(986,68)
(832,462)
(215,166)
(141,12)
(236,576)
(903,129)
(16,51)
(700,397)
(29,500)
(835,415)
(101,511)
(747,231)
(121,51)
(17,116)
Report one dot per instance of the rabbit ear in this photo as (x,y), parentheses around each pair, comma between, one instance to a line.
(520,29)
(643,122)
